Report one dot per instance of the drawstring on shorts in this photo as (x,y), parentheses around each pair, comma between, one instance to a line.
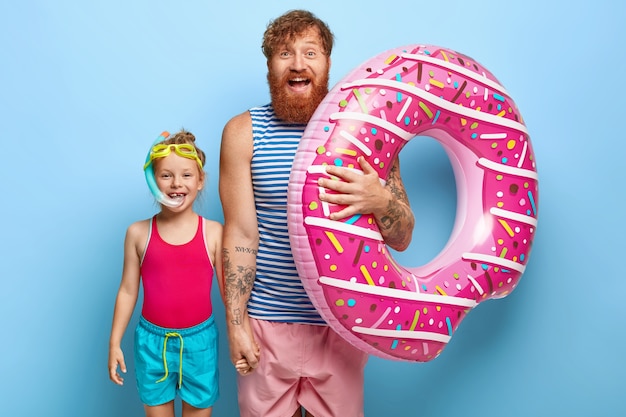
(180,369)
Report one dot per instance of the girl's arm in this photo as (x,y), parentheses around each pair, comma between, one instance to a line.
(126,298)
(213,235)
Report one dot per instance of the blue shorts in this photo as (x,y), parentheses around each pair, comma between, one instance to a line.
(177,361)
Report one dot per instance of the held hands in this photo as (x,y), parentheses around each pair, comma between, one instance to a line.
(116,357)
(360,193)
(244,351)
(243,367)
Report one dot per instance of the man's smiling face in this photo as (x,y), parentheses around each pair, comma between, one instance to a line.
(298,74)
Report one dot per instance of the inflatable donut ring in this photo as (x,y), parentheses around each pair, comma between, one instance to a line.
(376,304)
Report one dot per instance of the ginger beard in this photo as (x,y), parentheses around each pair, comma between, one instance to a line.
(296,108)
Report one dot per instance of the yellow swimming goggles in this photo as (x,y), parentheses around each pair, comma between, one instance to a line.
(182,149)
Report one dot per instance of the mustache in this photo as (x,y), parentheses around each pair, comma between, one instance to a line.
(285,78)
(297,109)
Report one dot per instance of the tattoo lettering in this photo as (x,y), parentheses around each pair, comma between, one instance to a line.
(245,250)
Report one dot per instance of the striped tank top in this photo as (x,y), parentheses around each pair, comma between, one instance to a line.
(277,294)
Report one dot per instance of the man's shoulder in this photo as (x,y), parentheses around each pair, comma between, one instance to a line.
(238,122)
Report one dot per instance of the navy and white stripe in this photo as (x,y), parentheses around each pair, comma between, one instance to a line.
(278,294)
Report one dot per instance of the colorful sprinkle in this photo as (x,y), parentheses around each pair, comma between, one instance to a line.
(506,227)
(367,275)
(333,239)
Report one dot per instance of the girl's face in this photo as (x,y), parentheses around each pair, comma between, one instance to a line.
(179,178)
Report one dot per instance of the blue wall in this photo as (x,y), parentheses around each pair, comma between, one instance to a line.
(86,86)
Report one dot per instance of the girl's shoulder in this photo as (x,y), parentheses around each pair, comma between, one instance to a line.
(137,237)
(213,232)
(213,238)
(139,230)
(212,225)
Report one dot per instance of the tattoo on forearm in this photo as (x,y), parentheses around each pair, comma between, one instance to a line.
(393,181)
(238,281)
(399,217)
(237,319)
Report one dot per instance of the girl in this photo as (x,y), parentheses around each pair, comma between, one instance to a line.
(175,254)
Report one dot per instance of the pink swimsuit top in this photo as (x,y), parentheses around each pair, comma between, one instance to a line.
(176,280)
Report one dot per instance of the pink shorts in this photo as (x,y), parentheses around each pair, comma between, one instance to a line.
(302,365)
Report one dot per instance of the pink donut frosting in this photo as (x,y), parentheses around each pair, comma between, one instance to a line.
(384,308)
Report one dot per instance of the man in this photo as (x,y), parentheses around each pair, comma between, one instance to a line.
(288,359)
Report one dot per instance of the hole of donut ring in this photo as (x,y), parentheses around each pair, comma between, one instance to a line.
(430,184)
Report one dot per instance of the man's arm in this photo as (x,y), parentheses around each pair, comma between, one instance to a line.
(365,194)
(241,237)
